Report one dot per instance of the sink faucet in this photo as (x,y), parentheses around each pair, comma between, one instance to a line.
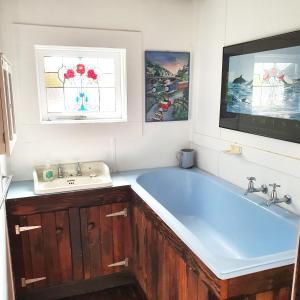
(251,189)
(78,170)
(60,172)
(274,198)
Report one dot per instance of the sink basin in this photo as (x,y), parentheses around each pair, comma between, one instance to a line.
(94,174)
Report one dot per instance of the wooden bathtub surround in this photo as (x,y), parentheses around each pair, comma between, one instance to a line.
(167,269)
(83,233)
(296,282)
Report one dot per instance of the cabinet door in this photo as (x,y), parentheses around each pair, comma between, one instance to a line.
(106,239)
(44,257)
(7,117)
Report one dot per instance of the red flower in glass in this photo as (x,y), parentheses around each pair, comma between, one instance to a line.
(92,74)
(69,74)
(80,69)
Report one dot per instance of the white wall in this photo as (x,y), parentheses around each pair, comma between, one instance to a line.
(164,25)
(222,23)
(203,25)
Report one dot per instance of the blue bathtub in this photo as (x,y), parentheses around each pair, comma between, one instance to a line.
(231,233)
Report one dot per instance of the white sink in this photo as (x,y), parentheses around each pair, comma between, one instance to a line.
(94,174)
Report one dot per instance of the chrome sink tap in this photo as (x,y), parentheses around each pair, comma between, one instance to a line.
(60,171)
(78,170)
(251,189)
(274,198)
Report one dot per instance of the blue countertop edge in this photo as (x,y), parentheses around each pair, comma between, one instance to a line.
(25,188)
(226,269)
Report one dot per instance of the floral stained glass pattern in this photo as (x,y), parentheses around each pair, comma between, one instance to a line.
(79,84)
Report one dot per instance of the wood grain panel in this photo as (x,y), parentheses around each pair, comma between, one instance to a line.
(165,275)
(46,251)
(153,264)
(63,201)
(284,293)
(273,279)
(265,296)
(106,237)
(129,292)
(74,288)
(77,255)
(37,253)
(27,262)
(296,287)
(118,231)
(64,245)
(203,291)
(171,262)
(85,245)
(192,284)
(90,231)
(105,240)
(93,239)
(162,274)
(181,270)
(16,249)
(52,263)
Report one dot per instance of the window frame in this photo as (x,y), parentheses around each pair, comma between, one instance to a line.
(119,56)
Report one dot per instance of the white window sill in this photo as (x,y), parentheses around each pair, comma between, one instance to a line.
(49,122)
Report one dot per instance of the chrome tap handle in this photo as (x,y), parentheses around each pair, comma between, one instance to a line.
(251,178)
(251,182)
(250,188)
(273,196)
(274,185)
(78,170)
(60,172)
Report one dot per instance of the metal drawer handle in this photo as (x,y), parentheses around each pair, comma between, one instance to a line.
(123,212)
(119,263)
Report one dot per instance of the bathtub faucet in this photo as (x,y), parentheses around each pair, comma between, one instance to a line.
(251,189)
(274,199)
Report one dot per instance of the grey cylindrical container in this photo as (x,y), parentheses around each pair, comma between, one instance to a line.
(186,158)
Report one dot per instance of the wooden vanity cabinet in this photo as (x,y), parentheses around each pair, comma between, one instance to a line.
(66,240)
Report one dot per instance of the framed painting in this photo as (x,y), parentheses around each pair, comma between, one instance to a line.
(167,86)
(261,87)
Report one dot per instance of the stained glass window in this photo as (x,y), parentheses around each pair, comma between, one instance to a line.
(82,83)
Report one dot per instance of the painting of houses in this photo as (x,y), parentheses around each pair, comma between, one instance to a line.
(167,85)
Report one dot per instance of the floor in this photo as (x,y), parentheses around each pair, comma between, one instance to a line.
(128,292)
